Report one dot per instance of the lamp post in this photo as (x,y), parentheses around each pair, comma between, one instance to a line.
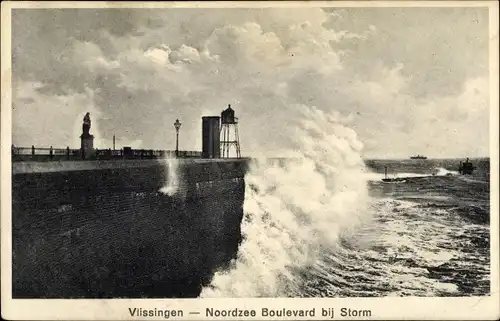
(177,126)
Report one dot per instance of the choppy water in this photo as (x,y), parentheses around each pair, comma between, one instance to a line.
(428,236)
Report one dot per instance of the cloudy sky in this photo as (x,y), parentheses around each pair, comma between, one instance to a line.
(409,80)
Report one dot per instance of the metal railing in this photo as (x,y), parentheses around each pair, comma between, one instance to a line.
(58,154)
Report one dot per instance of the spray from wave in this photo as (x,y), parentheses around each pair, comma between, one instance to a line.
(173,181)
(296,207)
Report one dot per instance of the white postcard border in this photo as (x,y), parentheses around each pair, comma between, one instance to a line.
(480,308)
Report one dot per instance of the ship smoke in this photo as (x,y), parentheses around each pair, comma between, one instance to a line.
(295,207)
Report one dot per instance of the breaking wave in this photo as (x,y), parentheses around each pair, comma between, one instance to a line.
(294,208)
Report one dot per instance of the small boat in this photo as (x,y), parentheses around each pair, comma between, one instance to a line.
(389,180)
(466,168)
(418,157)
(386,179)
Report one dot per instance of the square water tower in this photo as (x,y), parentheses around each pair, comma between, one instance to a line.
(211,137)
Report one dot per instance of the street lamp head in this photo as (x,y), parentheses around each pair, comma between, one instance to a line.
(177,125)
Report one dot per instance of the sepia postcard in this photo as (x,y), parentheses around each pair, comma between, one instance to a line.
(279,160)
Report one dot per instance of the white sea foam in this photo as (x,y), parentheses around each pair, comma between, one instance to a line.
(295,207)
(437,172)
(397,250)
(443,172)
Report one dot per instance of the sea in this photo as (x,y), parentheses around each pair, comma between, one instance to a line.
(425,235)
(429,236)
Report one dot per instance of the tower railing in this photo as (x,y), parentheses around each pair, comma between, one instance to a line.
(226,142)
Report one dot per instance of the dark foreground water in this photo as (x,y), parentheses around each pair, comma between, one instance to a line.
(427,236)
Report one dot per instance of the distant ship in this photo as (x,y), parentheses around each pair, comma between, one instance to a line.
(418,157)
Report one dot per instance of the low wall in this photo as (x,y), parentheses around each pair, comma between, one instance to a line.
(104,229)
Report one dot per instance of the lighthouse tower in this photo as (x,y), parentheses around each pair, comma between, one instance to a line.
(229,133)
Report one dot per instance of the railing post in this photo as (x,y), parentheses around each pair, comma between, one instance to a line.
(51,153)
(32,150)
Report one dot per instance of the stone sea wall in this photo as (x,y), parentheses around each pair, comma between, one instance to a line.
(105,230)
